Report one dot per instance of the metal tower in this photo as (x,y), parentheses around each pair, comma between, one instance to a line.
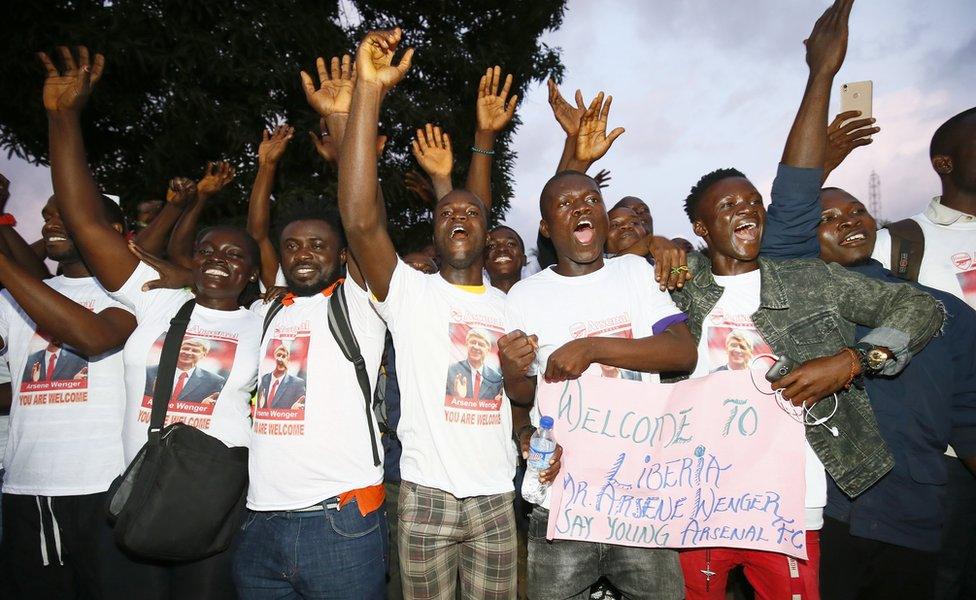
(874,196)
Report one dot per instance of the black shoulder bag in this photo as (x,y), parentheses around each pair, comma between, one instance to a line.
(182,496)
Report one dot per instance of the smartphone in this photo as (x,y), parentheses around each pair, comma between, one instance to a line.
(857,95)
(781,368)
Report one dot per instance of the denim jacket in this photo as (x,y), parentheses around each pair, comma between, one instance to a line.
(809,309)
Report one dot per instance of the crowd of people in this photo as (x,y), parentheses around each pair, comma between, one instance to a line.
(393,469)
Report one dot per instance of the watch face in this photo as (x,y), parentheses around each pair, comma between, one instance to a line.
(876,358)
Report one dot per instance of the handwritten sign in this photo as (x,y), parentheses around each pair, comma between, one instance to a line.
(705,462)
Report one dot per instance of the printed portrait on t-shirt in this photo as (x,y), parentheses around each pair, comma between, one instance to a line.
(282,376)
(203,364)
(53,372)
(966,274)
(475,373)
(613,327)
(733,342)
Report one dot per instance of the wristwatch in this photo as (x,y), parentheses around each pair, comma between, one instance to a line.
(872,358)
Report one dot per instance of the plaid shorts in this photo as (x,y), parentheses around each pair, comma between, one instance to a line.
(442,538)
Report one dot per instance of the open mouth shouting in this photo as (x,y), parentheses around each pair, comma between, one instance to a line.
(458,232)
(747,230)
(584,232)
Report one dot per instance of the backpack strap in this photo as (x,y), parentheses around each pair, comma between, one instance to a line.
(167,368)
(273,310)
(907,248)
(341,328)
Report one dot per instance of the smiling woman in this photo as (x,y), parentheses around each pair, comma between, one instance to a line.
(217,369)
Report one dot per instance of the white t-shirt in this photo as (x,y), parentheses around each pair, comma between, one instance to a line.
(455,425)
(619,300)
(220,349)
(310,439)
(729,340)
(65,423)
(949,261)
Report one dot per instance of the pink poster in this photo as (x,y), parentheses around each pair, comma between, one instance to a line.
(706,462)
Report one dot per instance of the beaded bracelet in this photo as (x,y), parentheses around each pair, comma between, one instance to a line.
(855,365)
(480,151)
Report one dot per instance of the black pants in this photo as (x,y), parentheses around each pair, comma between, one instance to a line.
(50,546)
(854,568)
(125,577)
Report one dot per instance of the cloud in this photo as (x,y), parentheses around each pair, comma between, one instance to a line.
(702,84)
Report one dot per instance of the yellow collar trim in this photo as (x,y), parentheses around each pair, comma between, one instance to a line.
(472,289)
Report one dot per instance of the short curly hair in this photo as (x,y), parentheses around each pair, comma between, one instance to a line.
(949,135)
(699,189)
(309,209)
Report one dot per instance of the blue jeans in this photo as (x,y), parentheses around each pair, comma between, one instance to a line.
(328,553)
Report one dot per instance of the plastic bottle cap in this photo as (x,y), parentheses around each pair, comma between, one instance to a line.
(546,422)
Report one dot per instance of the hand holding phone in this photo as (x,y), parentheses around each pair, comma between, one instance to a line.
(783,366)
(857,95)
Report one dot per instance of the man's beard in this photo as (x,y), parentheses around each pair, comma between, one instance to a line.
(314,287)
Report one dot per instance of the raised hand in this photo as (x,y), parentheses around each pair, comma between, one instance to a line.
(334,94)
(845,133)
(327,147)
(181,191)
(325,144)
(274,143)
(566,115)
(68,92)
(827,44)
(432,149)
(670,262)
(495,109)
(421,186)
(592,140)
(460,386)
(602,178)
(216,176)
(374,58)
(170,276)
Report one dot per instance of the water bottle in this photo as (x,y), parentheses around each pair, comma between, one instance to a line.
(541,447)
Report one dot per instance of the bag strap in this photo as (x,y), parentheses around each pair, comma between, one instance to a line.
(341,329)
(167,368)
(907,248)
(273,310)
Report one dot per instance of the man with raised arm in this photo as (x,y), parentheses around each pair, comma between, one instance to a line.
(884,543)
(63,338)
(803,310)
(456,519)
(315,525)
